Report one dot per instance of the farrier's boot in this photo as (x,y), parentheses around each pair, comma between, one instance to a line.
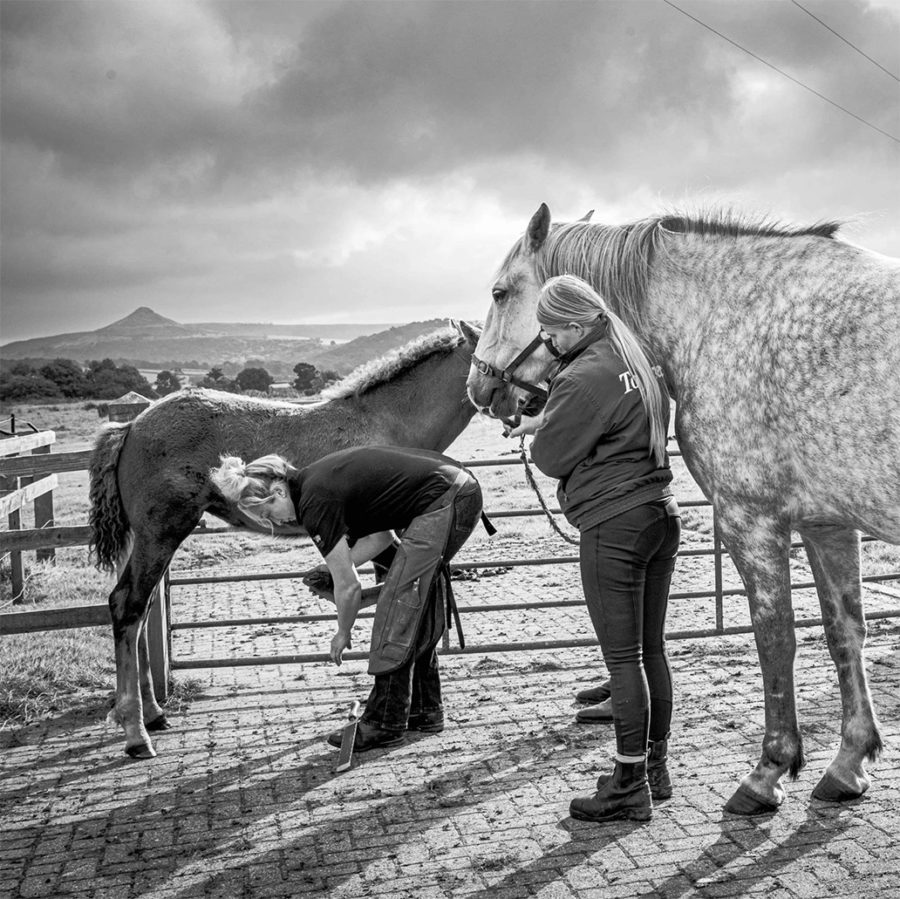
(657,773)
(624,794)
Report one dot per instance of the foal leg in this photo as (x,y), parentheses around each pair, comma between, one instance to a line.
(128,605)
(834,558)
(759,547)
(153,714)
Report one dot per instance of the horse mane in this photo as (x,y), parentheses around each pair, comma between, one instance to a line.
(727,223)
(616,259)
(395,363)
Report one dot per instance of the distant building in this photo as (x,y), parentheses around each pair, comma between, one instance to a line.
(283,389)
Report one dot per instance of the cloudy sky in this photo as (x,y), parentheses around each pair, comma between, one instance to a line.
(373,161)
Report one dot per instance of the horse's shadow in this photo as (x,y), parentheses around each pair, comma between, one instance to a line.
(739,837)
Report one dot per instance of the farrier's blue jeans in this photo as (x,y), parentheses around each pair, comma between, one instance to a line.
(415,687)
(626,569)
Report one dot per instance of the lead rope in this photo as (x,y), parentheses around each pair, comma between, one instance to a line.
(529,476)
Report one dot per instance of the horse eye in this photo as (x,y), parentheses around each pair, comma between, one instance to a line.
(499,294)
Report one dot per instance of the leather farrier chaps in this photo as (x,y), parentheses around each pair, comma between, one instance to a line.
(410,583)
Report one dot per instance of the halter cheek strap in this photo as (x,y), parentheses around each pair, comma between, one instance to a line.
(506,374)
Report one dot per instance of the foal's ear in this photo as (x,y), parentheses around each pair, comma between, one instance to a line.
(470,333)
(586,217)
(538,228)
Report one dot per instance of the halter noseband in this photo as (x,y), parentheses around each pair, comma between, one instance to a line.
(506,375)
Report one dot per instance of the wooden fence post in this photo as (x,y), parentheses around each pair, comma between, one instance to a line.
(14,522)
(43,514)
(127,408)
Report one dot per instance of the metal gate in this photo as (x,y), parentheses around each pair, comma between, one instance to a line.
(718,593)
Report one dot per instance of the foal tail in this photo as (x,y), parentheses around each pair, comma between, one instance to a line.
(110,530)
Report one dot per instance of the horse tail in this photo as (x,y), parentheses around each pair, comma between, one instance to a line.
(110,530)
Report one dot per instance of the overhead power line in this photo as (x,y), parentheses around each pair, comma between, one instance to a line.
(861,53)
(775,68)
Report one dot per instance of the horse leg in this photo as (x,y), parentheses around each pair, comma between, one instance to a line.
(153,714)
(834,558)
(759,546)
(128,606)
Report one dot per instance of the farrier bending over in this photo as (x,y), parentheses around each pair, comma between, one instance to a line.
(351,502)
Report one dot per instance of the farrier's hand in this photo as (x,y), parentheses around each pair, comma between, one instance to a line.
(339,642)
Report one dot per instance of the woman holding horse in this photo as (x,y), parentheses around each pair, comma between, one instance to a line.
(351,503)
(603,434)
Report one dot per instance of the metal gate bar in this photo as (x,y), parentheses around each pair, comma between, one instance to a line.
(719,592)
(302,658)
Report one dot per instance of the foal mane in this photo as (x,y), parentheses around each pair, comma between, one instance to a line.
(617,259)
(394,364)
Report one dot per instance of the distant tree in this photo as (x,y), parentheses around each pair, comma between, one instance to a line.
(306,374)
(321,381)
(102,365)
(215,379)
(167,382)
(107,381)
(15,387)
(67,375)
(254,379)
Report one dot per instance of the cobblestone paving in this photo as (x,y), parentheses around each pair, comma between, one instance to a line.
(243,801)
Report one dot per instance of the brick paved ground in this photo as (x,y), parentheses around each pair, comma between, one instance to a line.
(243,800)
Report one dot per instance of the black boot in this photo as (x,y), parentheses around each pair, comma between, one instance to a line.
(593,695)
(657,773)
(625,794)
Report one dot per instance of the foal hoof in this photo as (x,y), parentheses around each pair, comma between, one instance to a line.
(830,789)
(743,802)
(158,723)
(141,751)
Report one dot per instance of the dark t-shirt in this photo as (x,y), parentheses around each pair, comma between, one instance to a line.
(366,489)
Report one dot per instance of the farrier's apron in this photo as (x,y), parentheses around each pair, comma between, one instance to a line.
(408,586)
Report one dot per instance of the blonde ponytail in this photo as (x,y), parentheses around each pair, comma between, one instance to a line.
(645,374)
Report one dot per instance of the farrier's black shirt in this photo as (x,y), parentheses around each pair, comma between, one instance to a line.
(367,489)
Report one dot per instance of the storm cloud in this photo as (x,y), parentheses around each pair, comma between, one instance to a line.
(374,160)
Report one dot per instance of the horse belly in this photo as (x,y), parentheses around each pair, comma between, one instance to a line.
(800,466)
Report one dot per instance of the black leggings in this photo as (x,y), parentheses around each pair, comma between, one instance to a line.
(626,569)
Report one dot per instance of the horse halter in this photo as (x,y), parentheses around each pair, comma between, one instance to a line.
(506,374)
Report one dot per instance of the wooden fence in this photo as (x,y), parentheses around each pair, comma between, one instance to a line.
(27,478)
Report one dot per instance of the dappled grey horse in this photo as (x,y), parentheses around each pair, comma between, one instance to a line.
(150,478)
(781,348)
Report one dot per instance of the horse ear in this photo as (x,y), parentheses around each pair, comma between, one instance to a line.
(538,228)
(470,333)
(586,217)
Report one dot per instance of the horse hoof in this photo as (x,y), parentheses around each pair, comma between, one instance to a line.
(743,802)
(830,789)
(158,723)
(141,751)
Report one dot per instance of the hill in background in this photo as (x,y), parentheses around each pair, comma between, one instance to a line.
(145,338)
